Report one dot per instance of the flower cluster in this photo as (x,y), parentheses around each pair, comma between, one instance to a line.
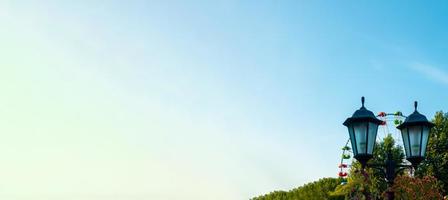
(426,188)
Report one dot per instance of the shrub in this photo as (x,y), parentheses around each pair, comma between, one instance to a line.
(426,188)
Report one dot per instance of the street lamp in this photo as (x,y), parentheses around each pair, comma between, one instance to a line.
(415,133)
(362,129)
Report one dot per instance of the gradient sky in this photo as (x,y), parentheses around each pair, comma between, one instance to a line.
(139,100)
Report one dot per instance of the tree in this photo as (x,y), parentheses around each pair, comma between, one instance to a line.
(380,155)
(436,162)
(360,185)
(318,190)
(370,184)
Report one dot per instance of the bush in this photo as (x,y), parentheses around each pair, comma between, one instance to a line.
(426,188)
(318,190)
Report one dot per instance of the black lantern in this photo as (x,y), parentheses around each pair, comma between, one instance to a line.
(415,133)
(362,128)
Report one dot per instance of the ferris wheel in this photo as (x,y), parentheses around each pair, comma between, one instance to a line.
(388,126)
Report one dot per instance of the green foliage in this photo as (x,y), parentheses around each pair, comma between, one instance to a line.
(380,156)
(360,185)
(370,184)
(382,148)
(436,162)
(276,195)
(318,190)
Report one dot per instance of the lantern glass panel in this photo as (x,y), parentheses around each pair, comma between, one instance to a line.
(425,139)
(360,129)
(415,136)
(373,130)
(405,135)
(352,139)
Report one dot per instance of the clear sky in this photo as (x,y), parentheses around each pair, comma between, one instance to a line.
(139,100)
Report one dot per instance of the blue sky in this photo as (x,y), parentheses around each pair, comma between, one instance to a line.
(201,100)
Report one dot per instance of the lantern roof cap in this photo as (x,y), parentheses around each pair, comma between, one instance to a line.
(361,115)
(415,119)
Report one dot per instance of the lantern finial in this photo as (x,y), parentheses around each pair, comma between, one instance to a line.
(363,100)
(415,105)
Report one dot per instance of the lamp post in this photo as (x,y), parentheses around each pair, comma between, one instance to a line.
(362,129)
(415,133)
